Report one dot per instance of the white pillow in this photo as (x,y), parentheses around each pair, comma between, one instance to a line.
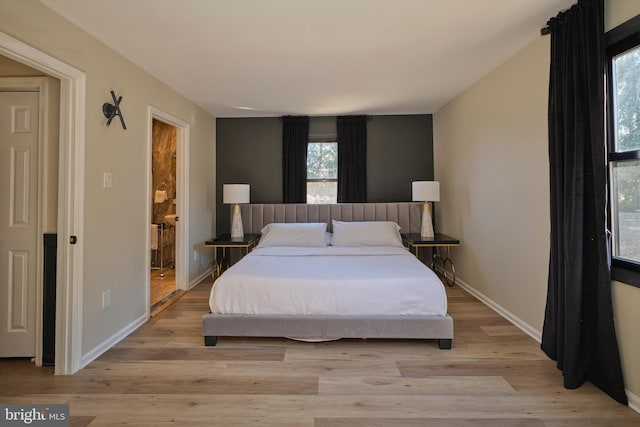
(309,234)
(366,233)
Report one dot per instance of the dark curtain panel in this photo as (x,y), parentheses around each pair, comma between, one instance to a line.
(352,159)
(295,136)
(578,329)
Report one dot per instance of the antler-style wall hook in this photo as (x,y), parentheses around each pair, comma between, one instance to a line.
(112,110)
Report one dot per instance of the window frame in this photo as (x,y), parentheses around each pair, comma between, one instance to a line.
(321,139)
(617,41)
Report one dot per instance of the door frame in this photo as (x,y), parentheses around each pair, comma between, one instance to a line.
(182,196)
(71,173)
(40,85)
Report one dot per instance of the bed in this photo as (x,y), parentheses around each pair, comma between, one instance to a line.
(330,271)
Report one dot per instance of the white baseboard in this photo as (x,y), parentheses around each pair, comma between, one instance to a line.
(200,278)
(519,323)
(112,340)
(634,401)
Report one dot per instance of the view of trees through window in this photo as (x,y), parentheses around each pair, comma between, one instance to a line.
(322,172)
(625,170)
(627,100)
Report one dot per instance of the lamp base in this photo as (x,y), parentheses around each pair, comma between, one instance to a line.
(237,232)
(426,229)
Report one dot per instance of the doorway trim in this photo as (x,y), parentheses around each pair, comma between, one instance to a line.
(71,164)
(182,196)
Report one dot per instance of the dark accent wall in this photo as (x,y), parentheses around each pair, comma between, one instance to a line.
(399,151)
(249,150)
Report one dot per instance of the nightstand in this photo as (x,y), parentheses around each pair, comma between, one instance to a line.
(224,242)
(439,262)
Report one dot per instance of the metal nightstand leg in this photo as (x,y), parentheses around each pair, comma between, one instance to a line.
(218,264)
(439,263)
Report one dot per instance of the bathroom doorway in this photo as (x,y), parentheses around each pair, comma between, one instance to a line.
(168,198)
(164,215)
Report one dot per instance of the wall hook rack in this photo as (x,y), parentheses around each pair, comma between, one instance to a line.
(112,110)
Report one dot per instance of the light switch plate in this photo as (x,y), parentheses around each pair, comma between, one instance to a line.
(108,180)
(106,299)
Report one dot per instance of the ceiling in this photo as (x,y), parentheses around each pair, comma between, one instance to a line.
(241,58)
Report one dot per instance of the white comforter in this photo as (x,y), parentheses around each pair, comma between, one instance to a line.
(329,281)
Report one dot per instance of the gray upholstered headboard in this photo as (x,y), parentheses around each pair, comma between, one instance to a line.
(408,215)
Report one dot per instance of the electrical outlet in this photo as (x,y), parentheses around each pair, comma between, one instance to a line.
(106,299)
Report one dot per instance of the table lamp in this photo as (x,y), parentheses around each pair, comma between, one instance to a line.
(236,194)
(426,191)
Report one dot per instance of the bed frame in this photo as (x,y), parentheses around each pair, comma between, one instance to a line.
(255,216)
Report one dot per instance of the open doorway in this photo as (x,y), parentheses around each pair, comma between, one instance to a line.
(29,131)
(168,200)
(163,214)
(70,201)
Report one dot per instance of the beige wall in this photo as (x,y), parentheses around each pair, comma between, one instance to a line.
(51,158)
(11,68)
(490,150)
(116,219)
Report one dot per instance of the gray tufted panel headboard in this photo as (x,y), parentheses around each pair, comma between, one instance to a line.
(408,215)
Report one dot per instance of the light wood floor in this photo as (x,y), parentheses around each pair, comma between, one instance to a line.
(163,375)
(162,286)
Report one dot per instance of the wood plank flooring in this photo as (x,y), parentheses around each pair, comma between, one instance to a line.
(163,375)
(161,286)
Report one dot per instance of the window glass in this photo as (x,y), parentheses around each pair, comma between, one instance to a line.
(322,172)
(626,91)
(322,160)
(625,189)
(322,192)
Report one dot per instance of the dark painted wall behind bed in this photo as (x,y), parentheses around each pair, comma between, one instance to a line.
(249,150)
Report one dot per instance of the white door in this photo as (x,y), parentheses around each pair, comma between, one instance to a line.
(18,222)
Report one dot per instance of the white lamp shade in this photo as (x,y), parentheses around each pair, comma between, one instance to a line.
(235,193)
(425,191)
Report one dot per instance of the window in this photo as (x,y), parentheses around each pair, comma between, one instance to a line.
(322,172)
(623,63)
